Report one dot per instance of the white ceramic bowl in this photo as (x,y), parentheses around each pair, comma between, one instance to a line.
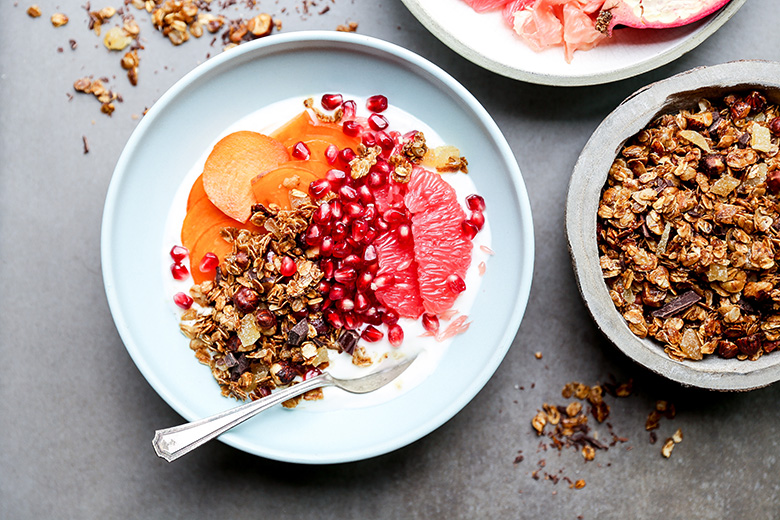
(186,121)
(590,176)
(485,39)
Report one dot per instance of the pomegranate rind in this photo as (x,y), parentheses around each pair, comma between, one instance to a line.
(654,14)
(440,248)
(403,296)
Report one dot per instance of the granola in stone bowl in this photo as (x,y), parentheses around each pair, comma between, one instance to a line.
(688,229)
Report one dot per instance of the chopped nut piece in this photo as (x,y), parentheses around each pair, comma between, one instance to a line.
(116,39)
(58,19)
(538,355)
(677,437)
(588,452)
(538,422)
(579,484)
(34,11)
(666,449)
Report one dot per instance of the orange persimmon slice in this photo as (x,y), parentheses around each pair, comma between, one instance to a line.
(235,160)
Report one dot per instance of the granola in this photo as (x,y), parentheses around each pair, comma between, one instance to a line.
(688,228)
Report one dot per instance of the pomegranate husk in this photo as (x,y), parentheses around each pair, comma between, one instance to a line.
(654,14)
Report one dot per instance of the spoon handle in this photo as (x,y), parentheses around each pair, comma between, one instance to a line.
(172,443)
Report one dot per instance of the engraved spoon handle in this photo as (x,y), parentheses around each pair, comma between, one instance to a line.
(172,443)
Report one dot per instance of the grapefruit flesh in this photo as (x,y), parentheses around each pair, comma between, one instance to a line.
(397,259)
(440,248)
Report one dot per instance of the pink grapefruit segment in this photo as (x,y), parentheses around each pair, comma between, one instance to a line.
(440,248)
(403,295)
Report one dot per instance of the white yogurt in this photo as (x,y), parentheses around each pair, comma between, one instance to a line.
(429,350)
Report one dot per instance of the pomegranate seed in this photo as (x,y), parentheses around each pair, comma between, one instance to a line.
(368,139)
(288,267)
(430,322)
(477,218)
(469,230)
(382,281)
(369,254)
(336,177)
(341,249)
(376,180)
(359,228)
(475,202)
(313,372)
(377,103)
(393,216)
(456,283)
(384,141)
(301,151)
(383,167)
(363,281)
(377,122)
(326,246)
(351,128)
(339,231)
(327,267)
(322,214)
(179,271)
(370,235)
(395,334)
(324,287)
(404,232)
(364,192)
(361,302)
(346,155)
(209,263)
(373,269)
(331,153)
(352,260)
(182,300)
(347,192)
(179,253)
(331,101)
(390,317)
(370,213)
(345,304)
(319,188)
(313,235)
(372,316)
(336,210)
(350,108)
(334,318)
(371,334)
(337,292)
(351,321)
(345,275)
(382,226)
(353,210)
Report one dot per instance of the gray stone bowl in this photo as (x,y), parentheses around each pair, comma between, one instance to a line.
(587,181)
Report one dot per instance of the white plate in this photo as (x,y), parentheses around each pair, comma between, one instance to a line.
(485,39)
(187,120)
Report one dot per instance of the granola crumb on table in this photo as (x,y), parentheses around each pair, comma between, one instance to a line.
(688,227)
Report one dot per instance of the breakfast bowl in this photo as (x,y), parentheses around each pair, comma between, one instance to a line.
(262,84)
(717,330)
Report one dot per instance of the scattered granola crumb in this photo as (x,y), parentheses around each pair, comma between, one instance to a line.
(350,27)
(59,19)
(579,484)
(667,448)
(34,11)
(677,437)
(86,144)
(538,355)
(73,44)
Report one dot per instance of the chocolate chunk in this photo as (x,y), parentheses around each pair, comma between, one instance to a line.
(679,304)
(298,333)
(348,340)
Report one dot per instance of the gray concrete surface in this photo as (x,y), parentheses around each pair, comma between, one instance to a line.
(76,416)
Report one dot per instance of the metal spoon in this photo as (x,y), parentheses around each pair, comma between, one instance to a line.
(172,443)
